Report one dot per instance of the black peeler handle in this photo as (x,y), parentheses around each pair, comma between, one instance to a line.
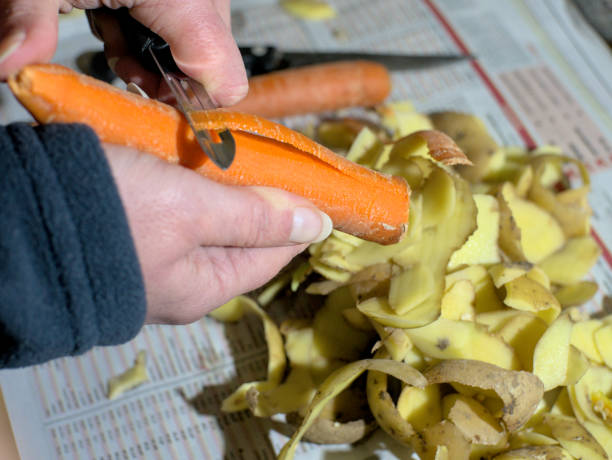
(262,59)
(140,38)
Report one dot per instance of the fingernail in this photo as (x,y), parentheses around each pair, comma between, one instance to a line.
(309,225)
(112,63)
(134,88)
(10,44)
(224,95)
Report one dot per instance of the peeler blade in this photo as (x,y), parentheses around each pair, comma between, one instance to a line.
(191,96)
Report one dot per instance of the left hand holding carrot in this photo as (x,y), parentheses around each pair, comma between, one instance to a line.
(200,243)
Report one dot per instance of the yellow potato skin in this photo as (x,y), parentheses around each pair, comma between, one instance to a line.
(583,338)
(457,303)
(421,407)
(577,365)
(473,420)
(571,263)
(233,311)
(574,438)
(481,247)
(131,378)
(522,333)
(410,288)
(445,434)
(524,294)
(551,355)
(448,339)
(576,294)
(486,298)
(524,237)
(313,10)
(506,272)
(472,136)
(536,452)
(603,341)
(482,276)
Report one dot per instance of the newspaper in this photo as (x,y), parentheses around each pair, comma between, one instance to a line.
(541,77)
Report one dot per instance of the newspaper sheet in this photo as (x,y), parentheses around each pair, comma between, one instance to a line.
(541,77)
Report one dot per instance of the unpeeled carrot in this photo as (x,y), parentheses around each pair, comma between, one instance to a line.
(316,88)
(359,201)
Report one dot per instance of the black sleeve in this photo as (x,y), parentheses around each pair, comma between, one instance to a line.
(69,274)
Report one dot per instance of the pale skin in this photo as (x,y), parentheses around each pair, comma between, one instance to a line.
(199,243)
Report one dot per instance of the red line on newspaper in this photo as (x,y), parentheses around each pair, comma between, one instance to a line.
(605,252)
(501,100)
(522,131)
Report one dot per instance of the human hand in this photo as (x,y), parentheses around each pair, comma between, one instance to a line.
(198,32)
(201,243)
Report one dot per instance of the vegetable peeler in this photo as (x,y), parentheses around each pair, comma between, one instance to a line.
(154,54)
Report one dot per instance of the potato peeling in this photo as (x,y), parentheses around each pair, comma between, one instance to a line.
(519,391)
(312,10)
(131,378)
(234,310)
(468,330)
(341,379)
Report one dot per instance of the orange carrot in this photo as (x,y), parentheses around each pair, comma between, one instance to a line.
(359,201)
(316,88)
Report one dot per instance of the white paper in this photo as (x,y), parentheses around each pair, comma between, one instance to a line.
(542,77)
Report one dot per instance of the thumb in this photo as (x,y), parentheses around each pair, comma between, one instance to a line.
(28,33)
(201,43)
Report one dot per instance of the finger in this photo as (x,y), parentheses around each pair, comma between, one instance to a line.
(28,33)
(224,9)
(251,216)
(201,44)
(209,277)
(206,213)
(121,62)
(240,270)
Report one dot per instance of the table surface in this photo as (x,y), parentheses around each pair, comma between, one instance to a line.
(543,88)
(8,447)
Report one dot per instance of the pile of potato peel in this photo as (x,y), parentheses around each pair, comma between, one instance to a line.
(463,340)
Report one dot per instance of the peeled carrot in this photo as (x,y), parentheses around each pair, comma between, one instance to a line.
(359,201)
(316,88)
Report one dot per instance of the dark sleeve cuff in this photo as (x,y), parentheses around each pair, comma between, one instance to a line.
(74,278)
